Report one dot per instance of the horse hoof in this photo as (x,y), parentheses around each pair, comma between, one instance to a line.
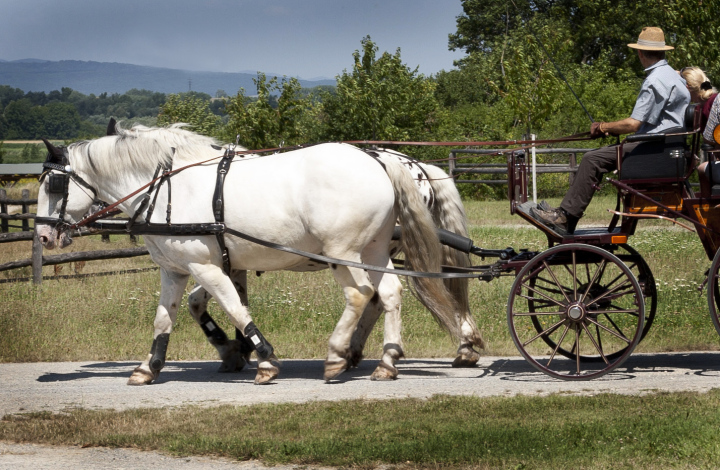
(465,361)
(355,358)
(333,369)
(142,377)
(266,375)
(467,357)
(384,372)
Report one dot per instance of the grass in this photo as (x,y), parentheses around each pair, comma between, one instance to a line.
(655,431)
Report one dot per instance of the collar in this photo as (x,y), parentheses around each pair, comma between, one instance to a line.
(649,70)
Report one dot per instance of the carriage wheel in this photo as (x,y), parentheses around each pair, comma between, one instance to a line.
(577,301)
(640,269)
(713,291)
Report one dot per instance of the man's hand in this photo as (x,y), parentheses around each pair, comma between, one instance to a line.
(595,131)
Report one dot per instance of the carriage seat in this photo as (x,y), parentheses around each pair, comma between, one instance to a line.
(659,156)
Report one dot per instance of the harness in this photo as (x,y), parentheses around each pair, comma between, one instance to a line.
(59,184)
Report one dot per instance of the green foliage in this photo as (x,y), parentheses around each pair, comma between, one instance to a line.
(381,98)
(2,151)
(31,154)
(268,121)
(189,109)
(693,29)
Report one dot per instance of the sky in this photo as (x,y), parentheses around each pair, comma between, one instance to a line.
(300,38)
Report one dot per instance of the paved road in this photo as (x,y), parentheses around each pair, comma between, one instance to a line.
(97,385)
(59,386)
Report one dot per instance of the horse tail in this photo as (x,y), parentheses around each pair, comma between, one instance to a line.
(448,213)
(421,246)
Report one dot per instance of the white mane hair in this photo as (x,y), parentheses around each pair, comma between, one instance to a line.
(140,150)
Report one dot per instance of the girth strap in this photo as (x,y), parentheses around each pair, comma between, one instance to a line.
(219,205)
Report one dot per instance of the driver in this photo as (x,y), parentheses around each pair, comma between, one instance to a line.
(660,106)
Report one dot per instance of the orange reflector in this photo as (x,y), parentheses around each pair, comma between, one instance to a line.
(618,239)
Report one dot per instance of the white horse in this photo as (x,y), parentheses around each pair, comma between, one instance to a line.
(440,194)
(330,199)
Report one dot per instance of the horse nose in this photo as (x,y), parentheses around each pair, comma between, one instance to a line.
(43,239)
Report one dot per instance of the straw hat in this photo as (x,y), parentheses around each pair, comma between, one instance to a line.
(651,39)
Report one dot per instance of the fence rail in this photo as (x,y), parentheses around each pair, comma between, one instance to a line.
(456,169)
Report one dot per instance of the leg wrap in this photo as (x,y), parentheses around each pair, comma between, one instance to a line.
(262,346)
(214,333)
(246,347)
(159,351)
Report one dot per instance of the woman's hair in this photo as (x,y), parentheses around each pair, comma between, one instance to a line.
(698,82)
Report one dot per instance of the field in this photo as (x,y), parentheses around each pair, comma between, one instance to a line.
(110,318)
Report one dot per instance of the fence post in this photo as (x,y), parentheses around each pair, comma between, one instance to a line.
(25,209)
(37,262)
(573,164)
(4,210)
(451,164)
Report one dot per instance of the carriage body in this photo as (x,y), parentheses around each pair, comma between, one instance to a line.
(577,310)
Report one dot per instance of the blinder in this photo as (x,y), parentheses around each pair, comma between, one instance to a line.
(58,182)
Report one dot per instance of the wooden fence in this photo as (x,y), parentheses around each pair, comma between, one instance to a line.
(37,260)
(456,168)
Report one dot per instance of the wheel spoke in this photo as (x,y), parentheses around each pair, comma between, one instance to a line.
(611,291)
(557,283)
(545,332)
(532,314)
(594,279)
(592,340)
(530,288)
(557,346)
(618,335)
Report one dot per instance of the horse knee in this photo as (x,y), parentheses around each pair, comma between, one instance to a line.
(197,302)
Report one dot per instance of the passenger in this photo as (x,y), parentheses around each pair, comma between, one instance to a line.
(703,93)
(660,106)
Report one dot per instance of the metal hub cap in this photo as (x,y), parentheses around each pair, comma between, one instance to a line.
(575,312)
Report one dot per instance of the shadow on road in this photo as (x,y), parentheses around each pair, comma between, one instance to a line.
(511,369)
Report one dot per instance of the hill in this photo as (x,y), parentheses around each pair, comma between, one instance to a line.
(101,77)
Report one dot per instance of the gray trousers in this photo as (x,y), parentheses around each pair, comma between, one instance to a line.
(593,165)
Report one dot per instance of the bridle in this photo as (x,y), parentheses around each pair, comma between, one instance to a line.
(59,173)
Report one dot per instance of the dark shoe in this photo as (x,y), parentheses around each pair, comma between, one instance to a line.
(558,219)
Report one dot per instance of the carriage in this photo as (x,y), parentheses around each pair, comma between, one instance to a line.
(576,311)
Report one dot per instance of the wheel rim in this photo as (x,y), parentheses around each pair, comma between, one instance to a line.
(578,302)
(713,291)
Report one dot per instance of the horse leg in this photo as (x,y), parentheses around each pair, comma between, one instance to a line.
(234,354)
(360,336)
(173,286)
(389,296)
(358,291)
(224,290)
(467,356)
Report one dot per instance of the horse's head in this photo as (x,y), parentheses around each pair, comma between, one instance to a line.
(63,198)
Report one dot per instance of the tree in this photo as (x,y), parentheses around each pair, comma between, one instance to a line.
(62,121)
(381,98)
(189,109)
(268,121)
(593,24)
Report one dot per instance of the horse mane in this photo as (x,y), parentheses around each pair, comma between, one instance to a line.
(140,150)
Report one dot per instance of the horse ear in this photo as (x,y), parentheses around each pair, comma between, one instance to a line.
(55,155)
(112,127)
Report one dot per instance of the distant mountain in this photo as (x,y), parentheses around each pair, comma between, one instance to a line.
(101,77)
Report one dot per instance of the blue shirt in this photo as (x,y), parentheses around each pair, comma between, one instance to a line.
(662,100)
